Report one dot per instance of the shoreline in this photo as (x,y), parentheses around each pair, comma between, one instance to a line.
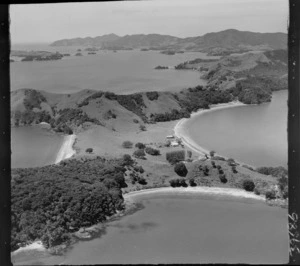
(66,151)
(234,192)
(180,129)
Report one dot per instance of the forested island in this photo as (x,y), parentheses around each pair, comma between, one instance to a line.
(37,55)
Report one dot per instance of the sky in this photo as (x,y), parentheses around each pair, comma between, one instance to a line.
(32,23)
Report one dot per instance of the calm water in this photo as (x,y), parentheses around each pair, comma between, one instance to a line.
(33,146)
(185,229)
(256,135)
(120,72)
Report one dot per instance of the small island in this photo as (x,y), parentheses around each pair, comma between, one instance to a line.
(168,52)
(161,67)
(37,55)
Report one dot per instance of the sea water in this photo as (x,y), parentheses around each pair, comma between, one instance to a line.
(253,134)
(34,146)
(175,228)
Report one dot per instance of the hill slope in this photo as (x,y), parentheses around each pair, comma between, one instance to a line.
(224,39)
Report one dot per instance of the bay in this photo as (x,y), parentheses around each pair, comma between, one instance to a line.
(34,146)
(121,72)
(176,228)
(253,134)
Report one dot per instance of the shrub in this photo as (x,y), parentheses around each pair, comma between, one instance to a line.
(139,169)
(271,194)
(223,178)
(221,171)
(175,156)
(140,145)
(143,128)
(139,154)
(231,162)
(178,182)
(135,121)
(127,144)
(189,153)
(152,95)
(212,153)
(218,158)
(180,169)
(248,185)
(219,167)
(142,181)
(213,164)
(192,182)
(127,159)
(152,151)
(89,150)
(233,168)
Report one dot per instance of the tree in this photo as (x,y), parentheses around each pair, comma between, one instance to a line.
(152,151)
(223,178)
(175,156)
(140,145)
(192,182)
(139,154)
(127,144)
(127,159)
(231,162)
(143,128)
(248,185)
(271,194)
(89,150)
(189,154)
(180,169)
(212,153)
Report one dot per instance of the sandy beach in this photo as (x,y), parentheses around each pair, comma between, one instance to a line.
(66,151)
(37,245)
(180,132)
(192,190)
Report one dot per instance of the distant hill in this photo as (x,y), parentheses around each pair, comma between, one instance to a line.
(224,39)
(88,41)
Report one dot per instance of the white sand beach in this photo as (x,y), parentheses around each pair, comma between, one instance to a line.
(37,245)
(192,190)
(180,132)
(66,151)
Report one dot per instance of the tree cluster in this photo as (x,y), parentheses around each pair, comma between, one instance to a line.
(49,202)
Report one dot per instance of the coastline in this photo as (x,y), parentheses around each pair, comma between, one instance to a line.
(36,245)
(179,129)
(234,192)
(66,151)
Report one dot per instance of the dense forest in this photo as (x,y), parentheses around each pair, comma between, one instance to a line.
(48,203)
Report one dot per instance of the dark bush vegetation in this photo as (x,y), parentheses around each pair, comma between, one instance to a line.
(139,154)
(49,202)
(180,169)
(174,115)
(152,95)
(223,178)
(192,182)
(175,156)
(248,185)
(140,145)
(89,150)
(127,144)
(33,99)
(274,171)
(178,182)
(152,151)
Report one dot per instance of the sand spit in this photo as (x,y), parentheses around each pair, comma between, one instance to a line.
(66,151)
